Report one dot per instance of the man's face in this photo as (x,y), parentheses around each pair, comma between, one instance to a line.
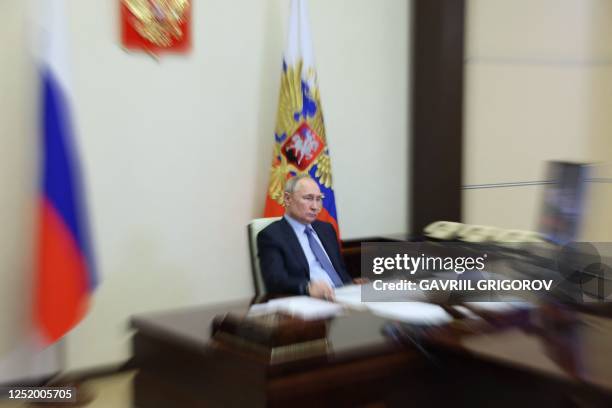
(305,203)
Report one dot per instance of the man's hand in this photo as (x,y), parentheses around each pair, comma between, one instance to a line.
(361,281)
(321,290)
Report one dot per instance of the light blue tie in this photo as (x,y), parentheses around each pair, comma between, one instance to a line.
(322,258)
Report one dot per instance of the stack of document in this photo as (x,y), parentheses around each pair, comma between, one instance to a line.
(349,296)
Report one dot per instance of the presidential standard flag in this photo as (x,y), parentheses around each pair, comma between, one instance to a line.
(300,143)
(65,275)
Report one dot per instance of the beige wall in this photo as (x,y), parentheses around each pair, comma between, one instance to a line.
(538,87)
(176,153)
(15,196)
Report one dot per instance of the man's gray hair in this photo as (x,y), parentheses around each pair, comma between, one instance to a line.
(292,183)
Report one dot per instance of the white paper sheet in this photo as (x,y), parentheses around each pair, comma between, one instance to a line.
(494,307)
(350,295)
(411,312)
(304,307)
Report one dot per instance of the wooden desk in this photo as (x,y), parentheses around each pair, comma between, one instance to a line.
(552,356)
(180,366)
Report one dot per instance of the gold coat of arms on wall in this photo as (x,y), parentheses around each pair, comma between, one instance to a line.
(156,26)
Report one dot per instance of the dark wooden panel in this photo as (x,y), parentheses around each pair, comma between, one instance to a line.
(351,252)
(437,111)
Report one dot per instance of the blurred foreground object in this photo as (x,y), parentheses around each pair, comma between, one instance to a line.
(564,196)
(65,274)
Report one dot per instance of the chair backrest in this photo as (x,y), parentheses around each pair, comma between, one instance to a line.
(254,228)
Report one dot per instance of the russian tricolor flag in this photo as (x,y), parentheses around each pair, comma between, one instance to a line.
(65,275)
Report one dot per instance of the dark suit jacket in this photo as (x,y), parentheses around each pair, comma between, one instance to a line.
(283,264)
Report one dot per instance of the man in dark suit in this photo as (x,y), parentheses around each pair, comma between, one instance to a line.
(299,254)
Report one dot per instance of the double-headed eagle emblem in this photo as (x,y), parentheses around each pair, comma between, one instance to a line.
(300,141)
(158,21)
